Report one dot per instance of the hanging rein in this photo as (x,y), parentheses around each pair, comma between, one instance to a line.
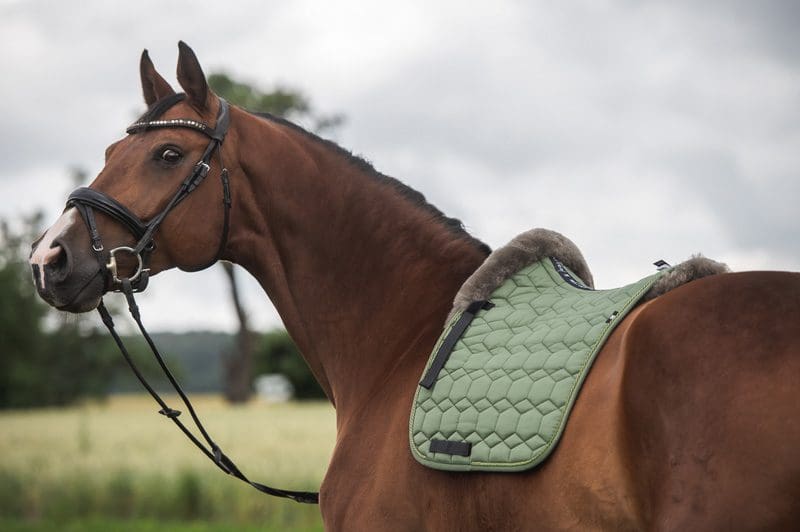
(87,200)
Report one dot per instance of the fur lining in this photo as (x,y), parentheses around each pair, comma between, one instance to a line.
(692,269)
(527,248)
(536,244)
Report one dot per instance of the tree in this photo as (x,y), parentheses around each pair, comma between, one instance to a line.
(238,364)
(286,103)
(281,101)
(20,317)
(39,365)
(278,353)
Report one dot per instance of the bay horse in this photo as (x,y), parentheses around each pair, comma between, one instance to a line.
(688,420)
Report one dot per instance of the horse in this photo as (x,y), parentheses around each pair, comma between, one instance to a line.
(688,419)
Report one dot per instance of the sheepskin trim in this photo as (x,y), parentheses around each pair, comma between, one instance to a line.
(527,248)
(695,268)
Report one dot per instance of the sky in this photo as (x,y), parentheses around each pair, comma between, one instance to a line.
(640,130)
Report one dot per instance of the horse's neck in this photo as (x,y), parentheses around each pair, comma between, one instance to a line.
(362,277)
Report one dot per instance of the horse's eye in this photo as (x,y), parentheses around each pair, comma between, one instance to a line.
(171,156)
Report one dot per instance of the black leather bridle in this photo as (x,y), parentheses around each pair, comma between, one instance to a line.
(87,200)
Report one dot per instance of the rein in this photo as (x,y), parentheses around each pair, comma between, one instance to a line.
(87,200)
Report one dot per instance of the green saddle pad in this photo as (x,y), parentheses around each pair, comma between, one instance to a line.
(505,373)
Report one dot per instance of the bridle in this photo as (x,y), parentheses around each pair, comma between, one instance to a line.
(87,200)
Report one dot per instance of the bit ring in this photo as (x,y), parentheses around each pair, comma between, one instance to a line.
(112,264)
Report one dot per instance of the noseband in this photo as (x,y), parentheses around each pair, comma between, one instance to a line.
(87,200)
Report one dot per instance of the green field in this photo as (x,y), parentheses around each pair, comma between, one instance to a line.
(121,466)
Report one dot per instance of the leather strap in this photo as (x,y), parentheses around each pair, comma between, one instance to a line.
(86,200)
(107,205)
(144,231)
(210,448)
(429,379)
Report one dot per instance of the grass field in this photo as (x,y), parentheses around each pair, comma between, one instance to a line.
(121,466)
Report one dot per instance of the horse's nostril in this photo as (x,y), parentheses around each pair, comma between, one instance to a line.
(51,265)
(48,256)
(46,262)
(61,260)
(59,264)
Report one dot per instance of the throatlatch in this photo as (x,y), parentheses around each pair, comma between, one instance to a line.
(87,200)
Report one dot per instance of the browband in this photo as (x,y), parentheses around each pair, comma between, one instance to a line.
(216,133)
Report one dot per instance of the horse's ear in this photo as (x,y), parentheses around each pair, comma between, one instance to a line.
(154,87)
(191,77)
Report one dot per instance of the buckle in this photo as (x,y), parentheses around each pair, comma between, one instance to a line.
(169,412)
(112,264)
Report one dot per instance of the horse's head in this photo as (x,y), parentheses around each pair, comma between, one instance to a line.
(138,217)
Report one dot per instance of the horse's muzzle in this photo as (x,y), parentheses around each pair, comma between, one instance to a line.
(64,282)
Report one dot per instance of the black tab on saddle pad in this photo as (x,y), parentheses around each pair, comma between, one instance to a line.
(450,341)
(661,264)
(459,448)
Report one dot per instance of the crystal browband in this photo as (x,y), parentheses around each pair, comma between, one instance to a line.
(177,122)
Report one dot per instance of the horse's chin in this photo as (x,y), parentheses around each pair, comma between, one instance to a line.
(81,304)
(77,300)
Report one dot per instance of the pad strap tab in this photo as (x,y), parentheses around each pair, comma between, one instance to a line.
(457,448)
(450,341)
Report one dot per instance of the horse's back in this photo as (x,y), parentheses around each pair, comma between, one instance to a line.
(710,398)
(686,421)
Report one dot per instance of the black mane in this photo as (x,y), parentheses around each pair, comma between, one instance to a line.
(417,198)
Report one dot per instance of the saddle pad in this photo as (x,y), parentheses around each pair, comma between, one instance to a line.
(500,400)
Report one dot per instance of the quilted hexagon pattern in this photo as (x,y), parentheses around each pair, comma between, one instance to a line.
(511,379)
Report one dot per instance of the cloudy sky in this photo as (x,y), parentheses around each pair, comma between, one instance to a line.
(641,130)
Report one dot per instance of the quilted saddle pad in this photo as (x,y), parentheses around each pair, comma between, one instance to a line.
(501,380)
